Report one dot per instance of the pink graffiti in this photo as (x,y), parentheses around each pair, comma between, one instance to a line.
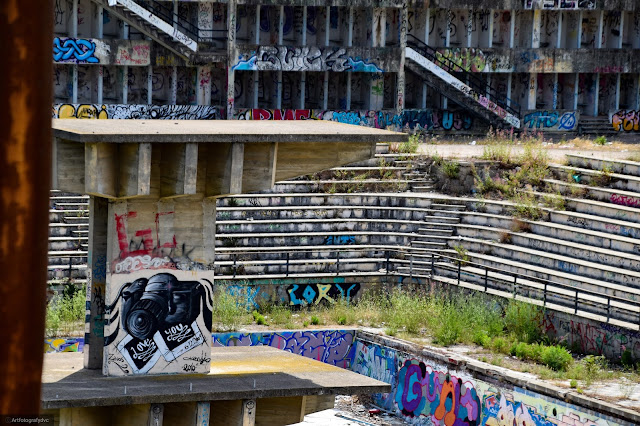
(625,200)
(626,120)
(143,244)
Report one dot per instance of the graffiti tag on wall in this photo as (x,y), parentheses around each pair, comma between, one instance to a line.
(626,121)
(468,59)
(313,294)
(285,58)
(67,50)
(158,324)
(419,119)
(560,4)
(74,50)
(334,347)
(551,120)
(142,112)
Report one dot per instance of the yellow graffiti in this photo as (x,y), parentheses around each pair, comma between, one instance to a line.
(323,289)
(82,111)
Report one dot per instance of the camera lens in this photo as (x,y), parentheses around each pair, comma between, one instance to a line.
(146,316)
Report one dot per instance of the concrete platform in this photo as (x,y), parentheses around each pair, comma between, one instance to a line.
(237,373)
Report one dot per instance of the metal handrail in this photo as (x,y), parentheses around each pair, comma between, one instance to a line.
(389,266)
(166,13)
(472,80)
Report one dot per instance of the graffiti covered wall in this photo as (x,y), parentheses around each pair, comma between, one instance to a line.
(551,121)
(333,347)
(560,4)
(418,119)
(93,51)
(625,120)
(142,112)
(428,392)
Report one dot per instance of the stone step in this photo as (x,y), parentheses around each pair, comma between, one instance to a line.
(444,220)
(566,231)
(431,245)
(617,227)
(309,200)
(64,229)
(62,271)
(613,180)
(314,212)
(607,195)
(435,231)
(624,167)
(598,208)
(596,255)
(611,274)
(333,239)
(65,243)
(317,225)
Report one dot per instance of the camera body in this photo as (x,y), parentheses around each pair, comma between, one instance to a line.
(162,301)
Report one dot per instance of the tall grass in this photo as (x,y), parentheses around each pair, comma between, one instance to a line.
(65,313)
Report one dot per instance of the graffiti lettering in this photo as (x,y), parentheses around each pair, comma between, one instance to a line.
(625,200)
(626,121)
(75,50)
(559,4)
(308,294)
(141,112)
(551,120)
(467,59)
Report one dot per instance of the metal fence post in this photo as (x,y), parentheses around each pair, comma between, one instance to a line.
(515,286)
(486,280)
(576,305)
(459,270)
(338,263)
(544,299)
(387,266)
(235,260)
(287,271)
(608,309)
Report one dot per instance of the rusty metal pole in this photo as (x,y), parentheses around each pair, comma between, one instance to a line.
(25,167)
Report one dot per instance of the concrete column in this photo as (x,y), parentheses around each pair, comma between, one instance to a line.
(617,100)
(150,85)
(175,13)
(533,91)
(100,34)
(447,39)
(327,26)
(378,27)
(280,25)
(400,81)
(621,38)
(576,91)
(491,11)
(445,102)
(469,26)
(488,86)
(427,26)
(74,18)
(559,38)
(205,19)
(555,91)
(100,84)
(174,86)
(257,40)
(509,81)
(231,55)
(512,29)
(279,91)
(600,30)
(350,29)
(376,91)
(74,67)
(125,84)
(125,31)
(203,86)
(100,23)
(348,105)
(256,88)
(325,90)
(638,92)
(304,26)
(596,96)
(303,83)
(579,37)
(96,282)
(536,27)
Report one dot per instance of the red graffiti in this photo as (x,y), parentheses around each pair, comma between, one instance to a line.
(143,243)
(280,114)
(624,200)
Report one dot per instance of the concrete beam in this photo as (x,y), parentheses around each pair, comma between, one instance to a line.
(280,411)
(237,166)
(259,165)
(179,169)
(134,170)
(100,176)
(233,413)
(68,166)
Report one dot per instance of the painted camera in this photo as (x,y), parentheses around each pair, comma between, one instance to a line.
(159,302)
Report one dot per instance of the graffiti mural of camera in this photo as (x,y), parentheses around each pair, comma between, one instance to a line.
(160,318)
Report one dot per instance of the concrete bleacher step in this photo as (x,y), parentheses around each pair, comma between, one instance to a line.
(431,245)
(319,225)
(65,243)
(568,232)
(598,208)
(248,277)
(431,231)
(337,239)
(442,220)
(307,251)
(595,223)
(607,195)
(329,212)
(62,271)
(597,255)
(624,167)
(618,181)
(611,274)
(64,229)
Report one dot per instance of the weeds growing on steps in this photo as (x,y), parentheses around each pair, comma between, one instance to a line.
(65,312)
(451,169)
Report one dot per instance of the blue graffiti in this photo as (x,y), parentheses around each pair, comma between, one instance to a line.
(74,50)
(248,293)
(340,240)
(567,121)
(248,65)
(358,65)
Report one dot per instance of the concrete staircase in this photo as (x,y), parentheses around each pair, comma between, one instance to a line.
(68,234)
(472,94)
(157,20)
(584,260)
(600,126)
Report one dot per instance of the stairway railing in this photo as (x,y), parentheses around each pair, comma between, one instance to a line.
(476,83)
(164,11)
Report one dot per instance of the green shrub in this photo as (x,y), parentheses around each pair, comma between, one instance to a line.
(315,320)
(600,140)
(500,344)
(556,357)
(627,359)
(406,311)
(523,321)
(66,312)
(229,310)
(592,367)
(451,169)
(573,383)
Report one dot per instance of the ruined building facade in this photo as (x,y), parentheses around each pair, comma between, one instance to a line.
(446,66)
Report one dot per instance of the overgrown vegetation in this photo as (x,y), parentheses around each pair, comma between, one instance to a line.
(451,169)
(409,147)
(66,312)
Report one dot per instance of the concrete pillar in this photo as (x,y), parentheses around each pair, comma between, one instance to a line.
(348,103)
(533,91)
(100,84)
(376,91)
(378,27)
(596,96)
(257,29)
(617,100)
(576,91)
(205,19)
(536,27)
(638,92)
(74,67)
(203,87)
(150,86)
(280,25)
(303,83)
(447,39)
(512,29)
(96,282)
(400,82)
(174,86)
(469,26)
(350,29)
(559,38)
(491,11)
(304,26)
(325,90)
(256,88)
(555,91)
(426,26)
(100,34)
(621,38)
(327,26)
(125,84)
(579,37)
(509,82)
(600,29)
(279,90)
(231,55)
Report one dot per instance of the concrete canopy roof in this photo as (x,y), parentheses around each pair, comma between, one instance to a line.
(190,131)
